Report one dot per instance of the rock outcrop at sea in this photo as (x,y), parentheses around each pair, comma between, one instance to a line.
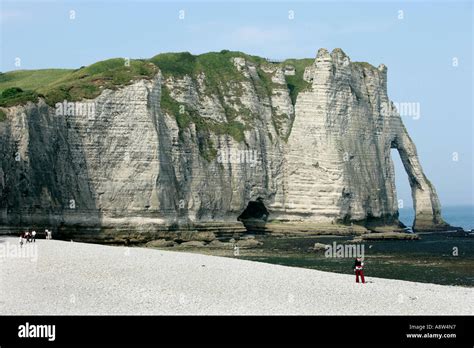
(131,169)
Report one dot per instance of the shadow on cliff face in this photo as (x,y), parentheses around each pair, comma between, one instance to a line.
(49,185)
(255,216)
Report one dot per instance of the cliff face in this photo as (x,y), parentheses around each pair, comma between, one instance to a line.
(338,159)
(175,150)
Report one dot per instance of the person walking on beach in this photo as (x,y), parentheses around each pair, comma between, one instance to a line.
(48,233)
(359,270)
(27,237)
(33,236)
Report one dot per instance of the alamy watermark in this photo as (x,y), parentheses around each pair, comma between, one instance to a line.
(336,250)
(76,109)
(404,109)
(238,156)
(13,250)
(37,331)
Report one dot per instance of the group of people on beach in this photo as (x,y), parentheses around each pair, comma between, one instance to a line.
(30,237)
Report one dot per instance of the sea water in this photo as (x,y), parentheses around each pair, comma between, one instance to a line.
(440,258)
(459,216)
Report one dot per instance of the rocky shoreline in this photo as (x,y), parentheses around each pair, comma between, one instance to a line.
(207,232)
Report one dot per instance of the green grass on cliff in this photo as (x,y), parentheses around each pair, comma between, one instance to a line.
(3,115)
(295,83)
(221,80)
(175,64)
(221,76)
(88,82)
(16,96)
(56,85)
(185,116)
(31,79)
(218,67)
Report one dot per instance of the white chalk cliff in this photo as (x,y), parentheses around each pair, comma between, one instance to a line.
(325,159)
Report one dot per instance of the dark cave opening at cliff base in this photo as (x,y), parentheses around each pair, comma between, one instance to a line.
(406,210)
(254,216)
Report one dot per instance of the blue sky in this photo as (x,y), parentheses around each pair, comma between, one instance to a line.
(418,49)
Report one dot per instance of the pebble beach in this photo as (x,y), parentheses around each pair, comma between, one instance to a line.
(70,278)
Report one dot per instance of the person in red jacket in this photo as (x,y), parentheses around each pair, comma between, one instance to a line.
(359,270)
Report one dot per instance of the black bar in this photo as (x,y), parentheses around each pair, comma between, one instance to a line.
(237,330)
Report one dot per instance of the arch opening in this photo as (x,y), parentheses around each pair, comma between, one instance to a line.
(255,216)
(406,210)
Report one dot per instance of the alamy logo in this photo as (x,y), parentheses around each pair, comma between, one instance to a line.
(404,109)
(85,109)
(10,250)
(237,156)
(37,331)
(344,250)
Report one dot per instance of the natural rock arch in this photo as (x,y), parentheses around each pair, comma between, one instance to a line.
(425,199)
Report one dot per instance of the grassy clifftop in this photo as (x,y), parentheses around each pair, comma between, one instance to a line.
(221,76)
(55,85)
(31,79)
(222,80)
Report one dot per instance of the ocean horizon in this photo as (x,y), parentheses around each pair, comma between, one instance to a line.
(455,215)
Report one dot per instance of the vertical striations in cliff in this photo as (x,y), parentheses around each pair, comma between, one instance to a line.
(339,164)
(180,140)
